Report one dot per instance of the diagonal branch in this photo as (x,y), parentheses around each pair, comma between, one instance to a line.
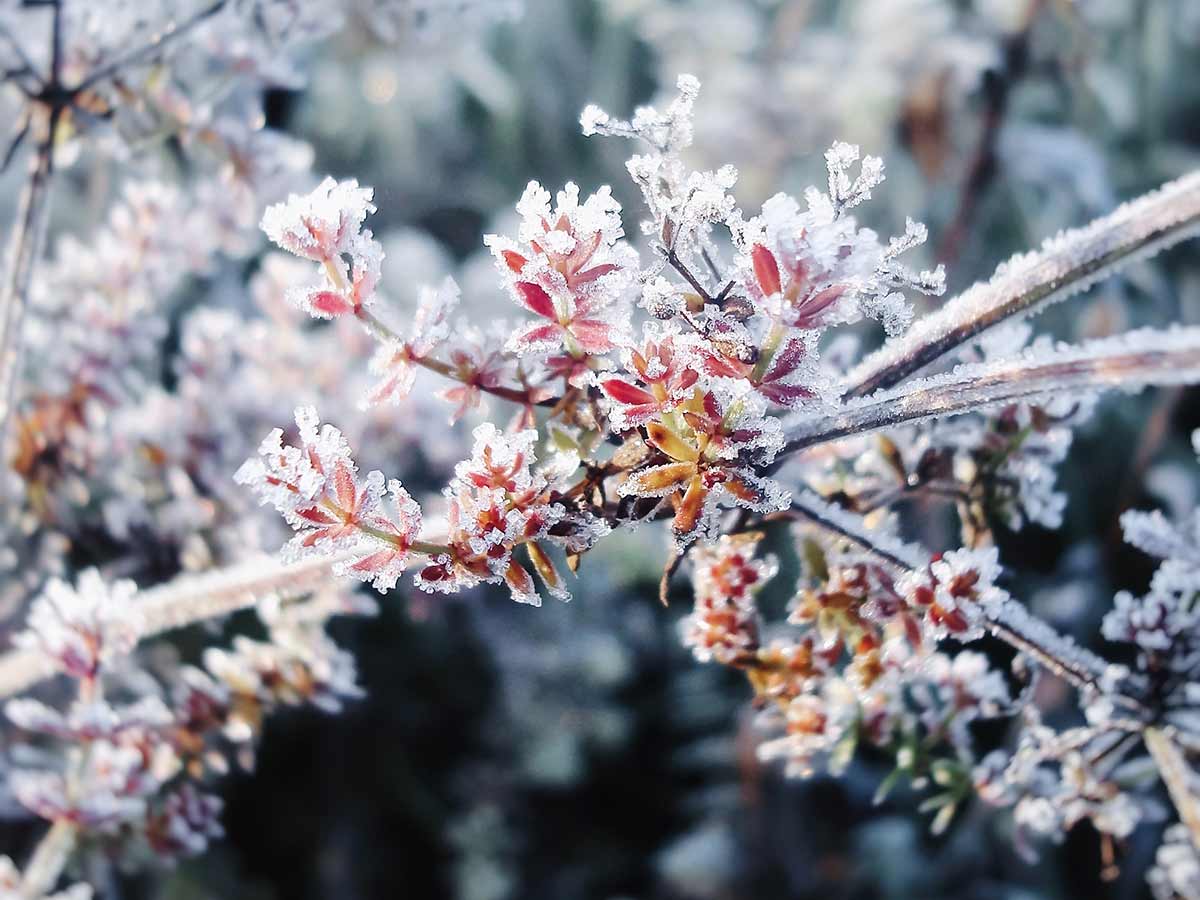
(1177,776)
(24,249)
(1008,621)
(1066,265)
(1126,362)
(150,50)
(187,600)
(27,67)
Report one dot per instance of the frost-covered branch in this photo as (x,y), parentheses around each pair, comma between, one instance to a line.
(1127,362)
(158,43)
(188,600)
(1006,618)
(1178,776)
(1065,265)
(24,249)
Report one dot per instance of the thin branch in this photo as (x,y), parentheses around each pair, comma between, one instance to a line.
(1177,776)
(24,249)
(26,63)
(56,46)
(1010,622)
(997,87)
(187,600)
(891,551)
(1127,362)
(152,48)
(49,859)
(381,332)
(1066,265)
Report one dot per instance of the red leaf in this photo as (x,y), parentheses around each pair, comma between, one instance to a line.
(316,515)
(809,310)
(687,514)
(519,580)
(583,252)
(626,393)
(536,299)
(514,260)
(784,394)
(330,303)
(766,270)
(593,273)
(787,359)
(345,490)
(536,335)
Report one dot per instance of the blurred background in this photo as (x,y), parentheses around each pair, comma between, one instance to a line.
(576,751)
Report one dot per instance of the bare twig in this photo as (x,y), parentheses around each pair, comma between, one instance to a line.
(981,169)
(26,63)
(152,48)
(24,248)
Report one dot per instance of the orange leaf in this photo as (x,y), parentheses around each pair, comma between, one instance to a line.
(670,443)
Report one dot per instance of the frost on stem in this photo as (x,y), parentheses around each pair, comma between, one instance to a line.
(681,417)
(1066,264)
(397,361)
(1127,362)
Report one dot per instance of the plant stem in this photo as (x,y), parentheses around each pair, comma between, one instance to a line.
(187,600)
(171,32)
(1126,362)
(382,332)
(1066,265)
(49,859)
(1176,775)
(24,249)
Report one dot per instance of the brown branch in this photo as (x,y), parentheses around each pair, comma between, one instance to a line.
(981,170)
(24,249)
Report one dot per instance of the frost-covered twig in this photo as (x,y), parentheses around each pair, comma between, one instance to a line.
(49,859)
(24,248)
(887,549)
(1177,776)
(1007,620)
(1126,362)
(185,601)
(1065,265)
(170,32)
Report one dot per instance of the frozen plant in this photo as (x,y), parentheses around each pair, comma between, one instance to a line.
(714,410)
(701,371)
